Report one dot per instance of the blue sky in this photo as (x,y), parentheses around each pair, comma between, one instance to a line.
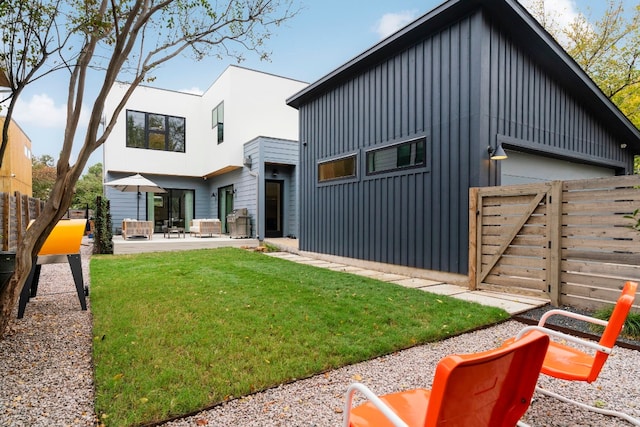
(325,35)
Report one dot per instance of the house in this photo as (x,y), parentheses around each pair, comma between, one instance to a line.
(392,140)
(233,147)
(16,170)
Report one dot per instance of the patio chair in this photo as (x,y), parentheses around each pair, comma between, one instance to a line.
(564,361)
(491,388)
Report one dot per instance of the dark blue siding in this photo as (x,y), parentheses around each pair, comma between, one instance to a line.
(526,104)
(413,218)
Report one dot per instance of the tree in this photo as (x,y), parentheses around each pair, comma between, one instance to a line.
(608,49)
(27,40)
(88,187)
(43,176)
(118,40)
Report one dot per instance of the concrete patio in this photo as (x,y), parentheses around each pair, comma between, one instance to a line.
(176,243)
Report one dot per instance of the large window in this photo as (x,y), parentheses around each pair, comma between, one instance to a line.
(217,121)
(344,167)
(155,131)
(408,154)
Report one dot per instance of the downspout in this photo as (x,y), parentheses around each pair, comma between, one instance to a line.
(256,175)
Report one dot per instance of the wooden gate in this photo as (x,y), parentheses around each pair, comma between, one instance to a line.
(565,240)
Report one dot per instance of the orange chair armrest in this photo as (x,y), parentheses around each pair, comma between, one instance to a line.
(594,345)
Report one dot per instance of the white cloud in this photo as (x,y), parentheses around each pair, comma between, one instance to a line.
(40,110)
(392,22)
(558,14)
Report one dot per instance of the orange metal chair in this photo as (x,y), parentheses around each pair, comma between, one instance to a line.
(492,388)
(569,363)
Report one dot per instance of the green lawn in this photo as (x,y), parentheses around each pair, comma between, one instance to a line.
(175,332)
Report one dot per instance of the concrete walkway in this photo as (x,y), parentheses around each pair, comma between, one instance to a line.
(513,304)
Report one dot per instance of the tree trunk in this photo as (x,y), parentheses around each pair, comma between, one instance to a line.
(33,240)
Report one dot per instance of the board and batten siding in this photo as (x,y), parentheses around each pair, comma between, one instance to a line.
(416,217)
(524,108)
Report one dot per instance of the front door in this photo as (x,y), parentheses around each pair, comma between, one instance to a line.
(273,208)
(225,205)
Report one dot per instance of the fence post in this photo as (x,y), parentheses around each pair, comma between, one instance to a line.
(6,220)
(554,221)
(473,237)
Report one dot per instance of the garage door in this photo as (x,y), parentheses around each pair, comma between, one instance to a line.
(522,168)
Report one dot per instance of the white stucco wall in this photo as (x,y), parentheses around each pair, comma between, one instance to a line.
(254,104)
(118,157)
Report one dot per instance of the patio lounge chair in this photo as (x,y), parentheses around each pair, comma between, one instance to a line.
(200,227)
(135,228)
(491,388)
(565,361)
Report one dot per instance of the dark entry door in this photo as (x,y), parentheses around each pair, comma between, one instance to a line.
(225,205)
(273,208)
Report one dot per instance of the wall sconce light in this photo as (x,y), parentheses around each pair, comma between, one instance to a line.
(275,173)
(213,195)
(497,153)
(247,161)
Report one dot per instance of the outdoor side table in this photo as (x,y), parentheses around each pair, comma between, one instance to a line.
(174,230)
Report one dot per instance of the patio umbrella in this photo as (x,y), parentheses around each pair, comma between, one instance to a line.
(137,183)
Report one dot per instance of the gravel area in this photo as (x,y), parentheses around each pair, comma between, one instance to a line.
(318,401)
(48,379)
(45,357)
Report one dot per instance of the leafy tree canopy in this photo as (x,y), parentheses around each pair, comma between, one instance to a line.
(43,176)
(88,187)
(607,48)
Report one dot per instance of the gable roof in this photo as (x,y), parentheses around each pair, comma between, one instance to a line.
(515,21)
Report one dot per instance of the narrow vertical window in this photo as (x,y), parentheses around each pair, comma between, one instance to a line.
(217,121)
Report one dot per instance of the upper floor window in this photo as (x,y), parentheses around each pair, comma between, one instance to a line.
(408,154)
(217,121)
(155,131)
(344,167)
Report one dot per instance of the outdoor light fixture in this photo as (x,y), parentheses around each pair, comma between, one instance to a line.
(275,173)
(213,195)
(497,153)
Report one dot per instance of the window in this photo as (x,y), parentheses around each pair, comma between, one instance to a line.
(405,155)
(217,121)
(155,131)
(344,167)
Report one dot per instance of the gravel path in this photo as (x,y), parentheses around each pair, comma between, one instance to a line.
(45,358)
(48,379)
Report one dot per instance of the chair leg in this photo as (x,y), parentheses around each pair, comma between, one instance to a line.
(634,421)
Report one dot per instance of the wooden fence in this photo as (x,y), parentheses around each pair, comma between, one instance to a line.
(568,241)
(16,210)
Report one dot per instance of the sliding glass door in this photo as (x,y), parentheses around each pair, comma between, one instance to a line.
(174,208)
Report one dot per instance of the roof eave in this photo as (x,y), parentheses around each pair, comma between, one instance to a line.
(511,16)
